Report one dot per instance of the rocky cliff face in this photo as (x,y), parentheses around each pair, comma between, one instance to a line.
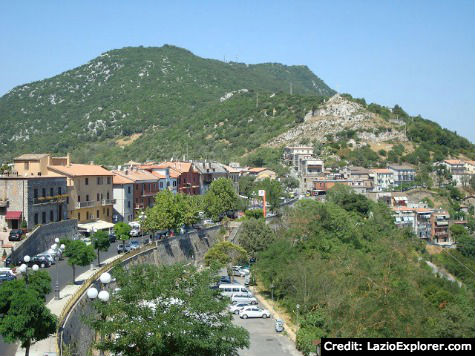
(338,114)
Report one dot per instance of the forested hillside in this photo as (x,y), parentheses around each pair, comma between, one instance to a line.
(134,90)
(354,274)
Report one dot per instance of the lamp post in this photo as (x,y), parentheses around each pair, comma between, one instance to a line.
(103,295)
(54,247)
(24,267)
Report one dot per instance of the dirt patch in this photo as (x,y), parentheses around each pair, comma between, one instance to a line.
(125,141)
(433,250)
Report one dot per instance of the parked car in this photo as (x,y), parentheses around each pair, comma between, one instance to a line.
(41,261)
(254,312)
(6,276)
(236,308)
(15,235)
(224,279)
(238,272)
(134,232)
(12,263)
(229,289)
(123,248)
(208,222)
(86,240)
(243,298)
(112,238)
(48,256)
(134,244)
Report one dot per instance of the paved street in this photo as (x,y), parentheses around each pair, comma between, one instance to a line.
(65,276)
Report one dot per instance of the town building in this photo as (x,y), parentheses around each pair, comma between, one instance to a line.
(440,234)
(292,155)
(123,192)
(404,217)
(33,199)
(423,223)
(145,187)
(383,179)
(402,173)
(179,175)
(261,173)
(209,172)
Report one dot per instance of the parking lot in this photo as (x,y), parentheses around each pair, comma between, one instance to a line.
(264,340)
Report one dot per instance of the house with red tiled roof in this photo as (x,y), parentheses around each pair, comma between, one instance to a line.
(145,187)
(123,199)
(383,179)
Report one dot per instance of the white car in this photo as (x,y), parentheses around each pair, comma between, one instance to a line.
(243,298)
(208,222)
(236,308)
(86,240)
(254,312)
(134,232)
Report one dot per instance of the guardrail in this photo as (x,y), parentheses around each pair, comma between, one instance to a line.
(86,284)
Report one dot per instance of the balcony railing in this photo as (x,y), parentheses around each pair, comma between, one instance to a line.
(59,198)
(86,204)
(108,201)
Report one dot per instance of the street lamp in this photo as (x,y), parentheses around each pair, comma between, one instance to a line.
(56,286)
(24,267)
(103,295)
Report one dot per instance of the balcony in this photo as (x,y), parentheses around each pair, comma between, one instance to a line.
(60,198)
(108,201)
(138,206)
(86,204)
(4,203)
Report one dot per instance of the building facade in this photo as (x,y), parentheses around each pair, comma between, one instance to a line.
(123,199)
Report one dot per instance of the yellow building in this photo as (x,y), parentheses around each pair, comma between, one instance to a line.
(90,194)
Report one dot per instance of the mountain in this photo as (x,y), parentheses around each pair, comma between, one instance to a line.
(155,103)
(133,91)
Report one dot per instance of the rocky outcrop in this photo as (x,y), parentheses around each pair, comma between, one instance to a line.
(338,114)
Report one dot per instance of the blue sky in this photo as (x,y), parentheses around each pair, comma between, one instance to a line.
(415,53)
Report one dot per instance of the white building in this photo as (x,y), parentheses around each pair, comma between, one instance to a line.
(123,192)
(383,179)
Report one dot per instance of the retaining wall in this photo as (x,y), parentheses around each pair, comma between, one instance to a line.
(191,247)
(43,237)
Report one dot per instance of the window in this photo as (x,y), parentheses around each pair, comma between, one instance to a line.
(107,211)
(97,214)
(44,192)
(87,181)
(128,204)
(27,166)
(99,180)
(87,197)
(59,191)
(97,197)
(174,183)
(128,189)
(51,215)
(161,185)
(51,192)
(67,200)
(109,180)
(36,218)
(35,193)
(108,195)
(87,215)
(43,217)
(79,216)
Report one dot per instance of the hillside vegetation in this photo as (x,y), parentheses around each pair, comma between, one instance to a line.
(156,103)
(354,274)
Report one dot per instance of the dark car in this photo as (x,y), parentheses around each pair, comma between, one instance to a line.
(6,276)
(112,238)
(224,280)
(15,235)
(12,263)
(41,261)
(123,248)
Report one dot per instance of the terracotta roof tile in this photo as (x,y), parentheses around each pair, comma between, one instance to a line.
(75,170)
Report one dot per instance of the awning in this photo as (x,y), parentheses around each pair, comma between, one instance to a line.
(95,226)
(13,215)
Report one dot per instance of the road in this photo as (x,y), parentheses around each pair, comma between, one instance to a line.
(65,276)
(264,340)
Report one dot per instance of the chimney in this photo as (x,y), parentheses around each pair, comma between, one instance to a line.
(68,159)
(91,163)
(126,172)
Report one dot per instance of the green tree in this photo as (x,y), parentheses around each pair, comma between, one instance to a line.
(174,314)
(40,281)
(255,236)
(274,192)
(225,253)
(100,242)
(220,198)
(189,206)
(166,214)
(246,186)
(79,254)
(122,231)
(26,319)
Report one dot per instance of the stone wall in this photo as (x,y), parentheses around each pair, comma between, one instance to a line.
(191,247)
(43,237)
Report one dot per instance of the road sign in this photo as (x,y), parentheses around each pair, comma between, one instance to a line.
(262,192)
